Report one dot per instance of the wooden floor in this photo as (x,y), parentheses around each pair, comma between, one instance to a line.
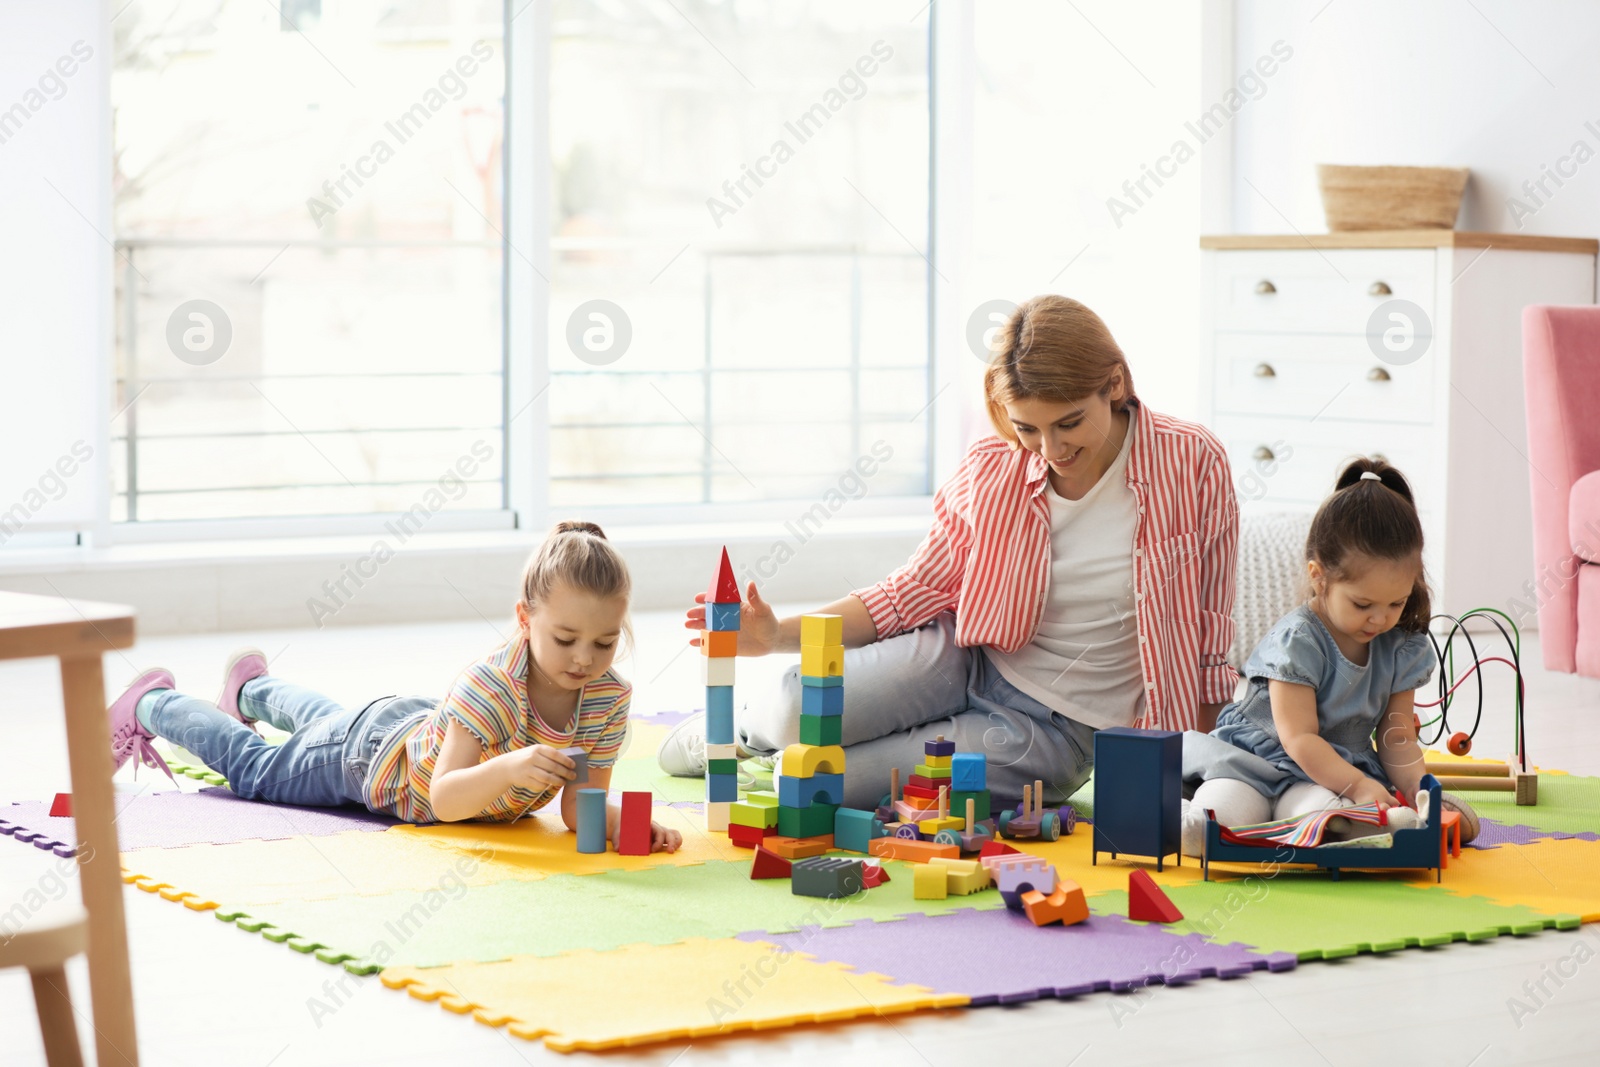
(209,994)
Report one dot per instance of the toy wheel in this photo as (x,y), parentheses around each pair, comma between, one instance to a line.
(947,837)
(1005,823)
(1460,744)
(886,802)
(907,832)
(982,831)
(1069,819)
(1049,826)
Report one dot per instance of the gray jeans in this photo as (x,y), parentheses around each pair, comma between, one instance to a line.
(905,690)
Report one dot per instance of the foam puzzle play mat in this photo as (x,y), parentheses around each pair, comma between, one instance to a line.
(784,908)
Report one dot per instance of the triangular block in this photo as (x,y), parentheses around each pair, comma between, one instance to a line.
(873,875)
(769,864)
(61,808)
(996,848)
(724,586)
(1147,903)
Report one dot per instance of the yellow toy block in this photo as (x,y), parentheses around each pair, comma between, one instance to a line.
(929,882)
(803,761)
(937,761)
(821,630)
(933,826)
(962,877)
(822,661)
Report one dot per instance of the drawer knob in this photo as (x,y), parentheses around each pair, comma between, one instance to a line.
(1265,288)
(1264,370)
(1263,454)
(1379,289)
(1377,374)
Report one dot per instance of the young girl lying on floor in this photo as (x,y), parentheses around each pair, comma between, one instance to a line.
(490,750)
(1328,674)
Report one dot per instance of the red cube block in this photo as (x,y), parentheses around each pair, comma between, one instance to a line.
(633,833)
(749,836)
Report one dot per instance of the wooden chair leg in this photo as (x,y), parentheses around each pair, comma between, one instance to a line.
(60,1031)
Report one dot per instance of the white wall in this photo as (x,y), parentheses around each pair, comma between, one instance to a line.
(55,264)
(1504,87)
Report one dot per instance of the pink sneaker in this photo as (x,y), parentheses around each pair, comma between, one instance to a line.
(128,738)
(243,665)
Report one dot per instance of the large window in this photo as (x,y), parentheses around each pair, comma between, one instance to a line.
(739,220)
(308,206)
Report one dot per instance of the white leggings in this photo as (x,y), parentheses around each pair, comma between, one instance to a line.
(1239,804)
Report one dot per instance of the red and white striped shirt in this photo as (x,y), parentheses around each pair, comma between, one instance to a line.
(987,558)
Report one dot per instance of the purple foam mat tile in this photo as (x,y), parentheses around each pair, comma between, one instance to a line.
(1492,834)
(665,718)
(172,819)
(1003,958)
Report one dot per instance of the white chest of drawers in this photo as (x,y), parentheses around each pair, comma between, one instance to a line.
(1305,366)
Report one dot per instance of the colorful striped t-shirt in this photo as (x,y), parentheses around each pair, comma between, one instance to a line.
(490,699)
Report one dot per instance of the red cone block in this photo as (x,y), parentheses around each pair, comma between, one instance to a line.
(724,586)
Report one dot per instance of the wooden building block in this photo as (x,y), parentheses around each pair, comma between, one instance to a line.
(942,762)
(803,761)
(1146,901)
(825,702)
(768,864)
(755,816)
(796,848)
(929,882)
(822,661)
(821,629)
(939,747)
(821,729)
(803,792)
(1066,905)
(749,836)
(591,820)
(719,643)
(969,772)
(717,816)
(724,587)
(830,877)
(722,618)
(900,848)
(816,681)
(813,820)
(727,751)
(717,670)
(963,877)
(633,830)
(580,757)
(1527,786)
(940,774)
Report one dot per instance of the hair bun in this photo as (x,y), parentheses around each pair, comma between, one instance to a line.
(567,526)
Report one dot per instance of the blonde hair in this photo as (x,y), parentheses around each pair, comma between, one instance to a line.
(1054,348)
(577,554)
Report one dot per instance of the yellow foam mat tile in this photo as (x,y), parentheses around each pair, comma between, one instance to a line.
(1072,854)
(1434,755)
(696,988)
(542,844)
(1556,877)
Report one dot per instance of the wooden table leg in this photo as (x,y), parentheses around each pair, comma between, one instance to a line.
(99,865)
(56,1025)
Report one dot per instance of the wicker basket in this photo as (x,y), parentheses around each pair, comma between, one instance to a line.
(1391,198)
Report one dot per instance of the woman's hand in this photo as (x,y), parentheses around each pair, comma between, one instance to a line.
(758,626)
(1369,791)
(540,767)
(663,839)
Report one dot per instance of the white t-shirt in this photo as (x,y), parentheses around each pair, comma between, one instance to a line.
(1084,659)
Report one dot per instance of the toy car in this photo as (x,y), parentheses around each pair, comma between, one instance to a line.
(1029,819)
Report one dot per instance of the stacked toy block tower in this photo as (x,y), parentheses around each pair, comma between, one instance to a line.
(810,776)
(719,644)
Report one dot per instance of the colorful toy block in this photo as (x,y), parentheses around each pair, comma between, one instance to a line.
(1146,901)
(1137,793)
(994,847)
(929,827)
(754,816)
(724,586)
(722,787)
(719,715)
(722,766)
(805,761)
(973,835)
(969,772)
(929,882)
(723,751)
(942,762)
(962,877)
(821,729)
(939,774)
(830,877)
(764,798)
(822,629)
(721,618)
(919,791)
(814,820)
(803,792)
(980,800)
(854,830)
(822,661)
(1066,905)
(61,806)
(796,848)
(768,864)
(1018,875)
(873,875)
(580,758)
(914,810)
(822,702)
(633,829)
(815,681)
(717,815)
(900,848)
(719,643)
(591,820)
(939,747)
(717,670)
(749,836)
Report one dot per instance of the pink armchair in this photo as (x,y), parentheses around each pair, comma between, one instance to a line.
(1561,373)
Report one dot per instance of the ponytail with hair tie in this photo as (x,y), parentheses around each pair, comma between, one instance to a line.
(1372,522)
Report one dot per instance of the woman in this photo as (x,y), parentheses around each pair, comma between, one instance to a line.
(1079,574)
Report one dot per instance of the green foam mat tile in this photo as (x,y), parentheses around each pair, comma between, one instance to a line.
(1312,916)
(1568,803)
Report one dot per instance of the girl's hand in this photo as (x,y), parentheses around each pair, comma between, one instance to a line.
(758,626)
(663,839)
(540,767)
(1368,791)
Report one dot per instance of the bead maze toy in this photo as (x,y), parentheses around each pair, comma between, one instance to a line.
(1516,777)
(1416,847)
(1137,793)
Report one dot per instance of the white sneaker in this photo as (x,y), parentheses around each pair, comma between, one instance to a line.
(683,753)
(1193,823)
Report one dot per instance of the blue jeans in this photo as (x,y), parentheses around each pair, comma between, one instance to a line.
(904,690)
(323,763)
